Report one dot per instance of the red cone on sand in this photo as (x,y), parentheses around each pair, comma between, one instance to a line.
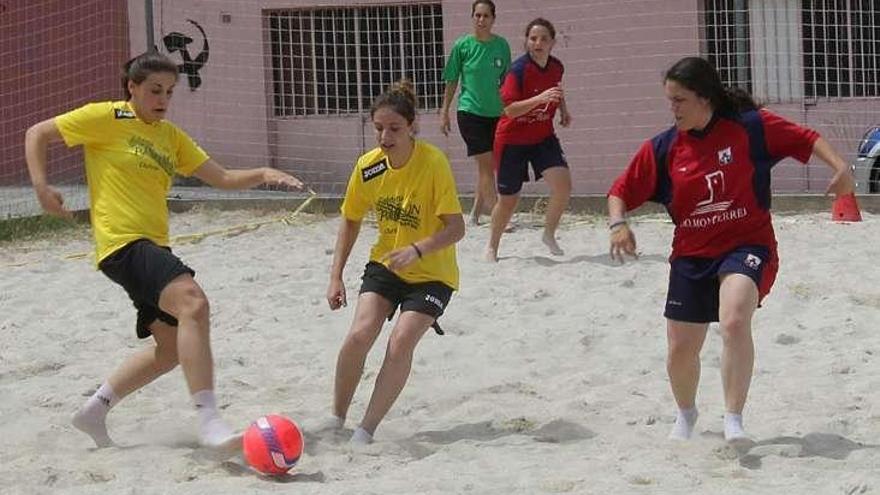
(846,209)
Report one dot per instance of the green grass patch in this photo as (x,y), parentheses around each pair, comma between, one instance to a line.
(29,228)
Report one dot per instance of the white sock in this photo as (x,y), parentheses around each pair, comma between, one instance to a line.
(361,437)
(92,416)
(733,427)
(213,431)
(685,421)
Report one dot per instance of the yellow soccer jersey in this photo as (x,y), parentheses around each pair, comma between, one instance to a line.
(129,167)
(408,203)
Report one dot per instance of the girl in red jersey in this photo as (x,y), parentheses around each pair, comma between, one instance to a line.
(712,172)
(531,93)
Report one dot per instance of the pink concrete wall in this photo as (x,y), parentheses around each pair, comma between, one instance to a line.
(55,55)
(614,51)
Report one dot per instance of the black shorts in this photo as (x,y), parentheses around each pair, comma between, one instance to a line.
(694,283)
(514,160)
(477,131)
(143,269)
(430,298)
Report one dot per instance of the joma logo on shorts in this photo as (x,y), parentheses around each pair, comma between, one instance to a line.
(434,300)
(374,171)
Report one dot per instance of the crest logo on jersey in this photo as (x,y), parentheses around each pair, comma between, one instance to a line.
(375,170)
(753,261)
(725,156)
(121,113)
(498,62)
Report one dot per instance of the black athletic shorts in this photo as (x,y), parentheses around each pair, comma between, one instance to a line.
(143,269)
(514,160)
(430,298)
(477,131)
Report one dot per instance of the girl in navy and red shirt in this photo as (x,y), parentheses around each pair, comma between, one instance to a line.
(531,94)
(712,173)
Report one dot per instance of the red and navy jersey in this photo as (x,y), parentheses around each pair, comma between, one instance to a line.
(525,80)
(715,183)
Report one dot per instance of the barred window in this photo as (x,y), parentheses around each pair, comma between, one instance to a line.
(727,41)
(841,48)
(335,61)
(783,50)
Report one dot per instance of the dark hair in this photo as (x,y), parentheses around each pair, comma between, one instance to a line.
(137,69)
(401,97)
(540,21)
(490,3)
(699,75)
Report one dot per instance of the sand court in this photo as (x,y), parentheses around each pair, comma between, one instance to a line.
(550,378)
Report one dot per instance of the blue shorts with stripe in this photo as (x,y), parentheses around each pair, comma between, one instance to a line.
(694,283)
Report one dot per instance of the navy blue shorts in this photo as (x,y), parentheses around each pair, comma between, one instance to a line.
(430,298)
(143,269)
(694,283)
(514,159)
(477,131)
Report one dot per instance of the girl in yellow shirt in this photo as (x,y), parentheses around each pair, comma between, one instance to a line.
(131,157)
(408,183)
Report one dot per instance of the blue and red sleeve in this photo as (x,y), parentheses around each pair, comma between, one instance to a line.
(511,89)
(638,183)
(787,139)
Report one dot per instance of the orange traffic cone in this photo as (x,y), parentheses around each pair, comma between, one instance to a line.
(846,209)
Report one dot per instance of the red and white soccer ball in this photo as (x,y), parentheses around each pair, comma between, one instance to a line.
(272,444)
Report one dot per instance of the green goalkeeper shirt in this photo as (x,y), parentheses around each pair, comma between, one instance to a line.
(480,67)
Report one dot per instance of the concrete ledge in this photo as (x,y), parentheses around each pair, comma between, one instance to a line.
(595,204)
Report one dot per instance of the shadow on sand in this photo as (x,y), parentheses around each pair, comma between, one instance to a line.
(827,445)
(557,431)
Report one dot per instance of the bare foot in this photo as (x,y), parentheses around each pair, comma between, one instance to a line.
(491,255)
(550,242)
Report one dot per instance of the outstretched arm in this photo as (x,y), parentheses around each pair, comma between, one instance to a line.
(36,143)
(623,241)
(842,182)
(216,175)
(345,239)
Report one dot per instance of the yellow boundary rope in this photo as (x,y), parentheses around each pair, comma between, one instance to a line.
(191,238)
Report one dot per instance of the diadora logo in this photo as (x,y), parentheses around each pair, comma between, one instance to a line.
(375,170)
(434,300)
(725,156)
(753,261)
(121,113)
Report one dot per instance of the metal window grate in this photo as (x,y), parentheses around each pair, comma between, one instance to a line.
(727,41)
(841,48)
(865,15)
(335,61)
(759,46)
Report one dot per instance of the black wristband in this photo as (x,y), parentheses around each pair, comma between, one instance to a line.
(418,251)
(616,224)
